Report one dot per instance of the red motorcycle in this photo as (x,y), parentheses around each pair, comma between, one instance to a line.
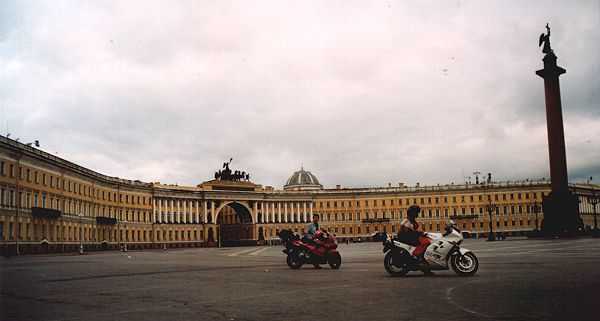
(321,249)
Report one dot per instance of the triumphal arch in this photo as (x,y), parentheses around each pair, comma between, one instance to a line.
(230,209)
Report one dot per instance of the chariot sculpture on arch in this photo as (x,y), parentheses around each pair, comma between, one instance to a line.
(226,174)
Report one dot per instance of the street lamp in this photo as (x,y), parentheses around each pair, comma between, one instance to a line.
(80,233)
(17,205)
(125,241)
(491,207)
(118,232)
(536,210)
(594,201)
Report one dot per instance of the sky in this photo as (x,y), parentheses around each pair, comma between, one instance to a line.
(360,93)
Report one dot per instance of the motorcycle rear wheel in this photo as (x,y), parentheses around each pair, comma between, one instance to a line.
(294,262)
(391,268)
(334,260)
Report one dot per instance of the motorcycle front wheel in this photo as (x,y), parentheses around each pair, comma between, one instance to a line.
(394,269)
(334,260)
(465,265)
(293,261)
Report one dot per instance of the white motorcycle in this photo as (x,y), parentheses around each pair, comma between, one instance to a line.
(443,252)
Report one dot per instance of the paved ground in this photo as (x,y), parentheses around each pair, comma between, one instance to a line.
(517,280)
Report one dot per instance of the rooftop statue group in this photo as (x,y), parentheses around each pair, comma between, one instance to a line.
(226,174)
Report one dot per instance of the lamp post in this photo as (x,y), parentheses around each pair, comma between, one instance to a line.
(17,205)
(491,207)
(536,210)
(80,233)
(118,232)
(125,242)
(594,201)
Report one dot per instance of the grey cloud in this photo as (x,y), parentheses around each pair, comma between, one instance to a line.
(360,93)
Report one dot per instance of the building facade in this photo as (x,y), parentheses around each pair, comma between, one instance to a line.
(48,204)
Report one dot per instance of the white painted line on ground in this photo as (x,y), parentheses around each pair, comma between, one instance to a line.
(242,252)
(460,307)
(258,251)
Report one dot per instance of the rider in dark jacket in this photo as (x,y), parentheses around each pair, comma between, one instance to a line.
(410,232)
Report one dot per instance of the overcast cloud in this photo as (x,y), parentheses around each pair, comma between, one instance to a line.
(361,93)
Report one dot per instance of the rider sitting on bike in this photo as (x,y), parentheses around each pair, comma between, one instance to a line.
(311,230)
(410,233)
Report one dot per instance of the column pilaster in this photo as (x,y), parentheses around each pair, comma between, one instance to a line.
(304,211)
(153,210)
(212,212)
(279,212)
(205,212)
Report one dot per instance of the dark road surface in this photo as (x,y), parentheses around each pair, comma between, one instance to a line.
(517,280)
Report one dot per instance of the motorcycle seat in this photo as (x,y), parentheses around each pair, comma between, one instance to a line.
(410,238)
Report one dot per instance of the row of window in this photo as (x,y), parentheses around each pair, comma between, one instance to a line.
(70,206)
(87,209)
(429,200)
(430,213)
(182,218)
(38,232)
(71,186)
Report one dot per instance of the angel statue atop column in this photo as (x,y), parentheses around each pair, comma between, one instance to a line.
(545,39)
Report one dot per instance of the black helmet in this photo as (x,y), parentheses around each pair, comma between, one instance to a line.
(413,211)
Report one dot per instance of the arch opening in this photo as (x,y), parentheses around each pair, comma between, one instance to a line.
(236,227)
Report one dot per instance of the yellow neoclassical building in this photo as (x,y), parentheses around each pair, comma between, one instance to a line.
(48,204)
